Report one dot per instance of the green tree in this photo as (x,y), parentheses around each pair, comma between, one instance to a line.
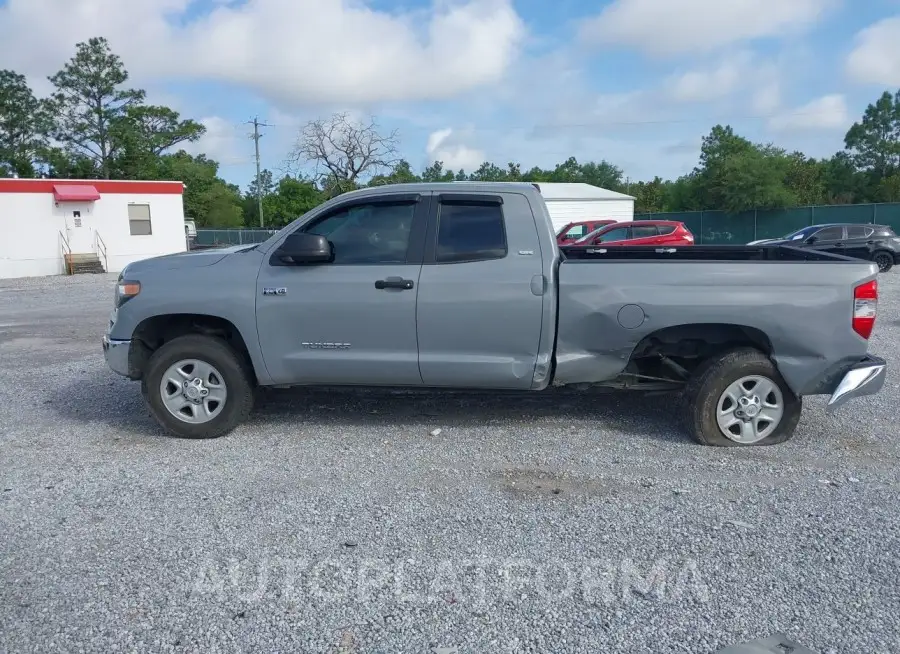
(401,173)
(435,173)
(754,180)
(250,202)
(805,179)
(488,172)
(650,197)
(291,199)
(683,194)
(844,184)
(208,199)
(874,143)
(719,147)
(24,125)
(89,103)
(143,134)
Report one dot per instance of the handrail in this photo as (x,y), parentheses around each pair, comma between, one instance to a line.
(101,249)
(66,252)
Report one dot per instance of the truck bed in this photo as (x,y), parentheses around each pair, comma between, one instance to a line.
(607,313)
(620,253)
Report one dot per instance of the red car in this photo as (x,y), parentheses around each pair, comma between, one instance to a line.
(574,231)
(640,232)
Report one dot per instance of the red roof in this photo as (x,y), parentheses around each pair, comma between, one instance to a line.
(75,193)
(104,186)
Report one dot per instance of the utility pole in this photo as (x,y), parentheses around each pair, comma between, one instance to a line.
(256,136)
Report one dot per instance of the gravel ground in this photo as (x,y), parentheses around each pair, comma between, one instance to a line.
(346,522)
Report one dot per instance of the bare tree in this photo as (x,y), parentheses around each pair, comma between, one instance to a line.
(344,151)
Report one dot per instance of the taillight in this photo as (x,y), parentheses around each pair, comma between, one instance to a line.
(689,238)
(865,307)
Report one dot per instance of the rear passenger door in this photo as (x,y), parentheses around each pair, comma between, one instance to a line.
(829,239)
(614,237)
(857,243)
(643,235)
(480,301)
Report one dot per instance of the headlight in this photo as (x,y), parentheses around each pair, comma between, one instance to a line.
(126,290)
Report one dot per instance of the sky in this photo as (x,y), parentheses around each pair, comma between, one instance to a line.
(634,82)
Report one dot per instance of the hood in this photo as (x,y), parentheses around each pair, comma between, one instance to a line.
(183,260)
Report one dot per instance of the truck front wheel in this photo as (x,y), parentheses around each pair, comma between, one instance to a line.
(740,399)
(197,387)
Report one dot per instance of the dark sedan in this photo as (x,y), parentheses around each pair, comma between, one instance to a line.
(876,243)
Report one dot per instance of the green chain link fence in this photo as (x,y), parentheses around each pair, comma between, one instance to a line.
(226,237)
(718,227)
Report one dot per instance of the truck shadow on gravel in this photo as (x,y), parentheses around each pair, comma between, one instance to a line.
(118,404)
(649,416)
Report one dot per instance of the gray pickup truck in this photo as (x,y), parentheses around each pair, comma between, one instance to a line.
(462,286)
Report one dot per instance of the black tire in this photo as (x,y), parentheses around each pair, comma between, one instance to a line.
(706,386)
(215,351)
(884,260)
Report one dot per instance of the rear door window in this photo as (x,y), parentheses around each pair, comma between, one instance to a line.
(665,229)
(859,231)
(830,234)
(620,234)
(469,231)
(644,231)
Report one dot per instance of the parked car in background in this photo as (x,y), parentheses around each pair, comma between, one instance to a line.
(640,232)
(876,243)
(574,231)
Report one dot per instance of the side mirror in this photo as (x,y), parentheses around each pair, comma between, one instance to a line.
(812,239)
(302,248)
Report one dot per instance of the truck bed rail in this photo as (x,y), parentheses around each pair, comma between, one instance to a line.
(582,253)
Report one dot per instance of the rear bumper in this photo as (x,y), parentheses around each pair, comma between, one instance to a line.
(863,378)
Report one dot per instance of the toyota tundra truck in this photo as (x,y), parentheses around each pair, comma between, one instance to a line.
(463,286)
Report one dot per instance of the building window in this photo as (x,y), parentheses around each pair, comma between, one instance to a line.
(139,219)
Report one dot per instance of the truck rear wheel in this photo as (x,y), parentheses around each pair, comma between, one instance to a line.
(740,399)
(197,387)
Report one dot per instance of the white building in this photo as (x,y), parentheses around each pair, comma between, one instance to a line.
(571,203)
(53,226)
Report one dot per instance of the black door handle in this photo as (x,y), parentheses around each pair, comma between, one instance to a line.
(394,282)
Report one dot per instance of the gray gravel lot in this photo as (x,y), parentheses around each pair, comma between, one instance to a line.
(339,522)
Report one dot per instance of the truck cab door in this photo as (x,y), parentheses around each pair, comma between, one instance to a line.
(480,304)
(351,321)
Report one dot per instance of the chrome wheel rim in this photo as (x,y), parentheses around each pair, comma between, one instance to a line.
(750,409)
(193,391)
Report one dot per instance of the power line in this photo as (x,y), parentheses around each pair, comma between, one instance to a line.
(256,136)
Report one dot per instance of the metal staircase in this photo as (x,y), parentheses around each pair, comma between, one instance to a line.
(83,263)
(79,264)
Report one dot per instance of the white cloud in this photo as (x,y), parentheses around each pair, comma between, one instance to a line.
(222,142)
(876,57)
(295,51)
(829,112)
(665,27)
(711,84)
(443,147)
